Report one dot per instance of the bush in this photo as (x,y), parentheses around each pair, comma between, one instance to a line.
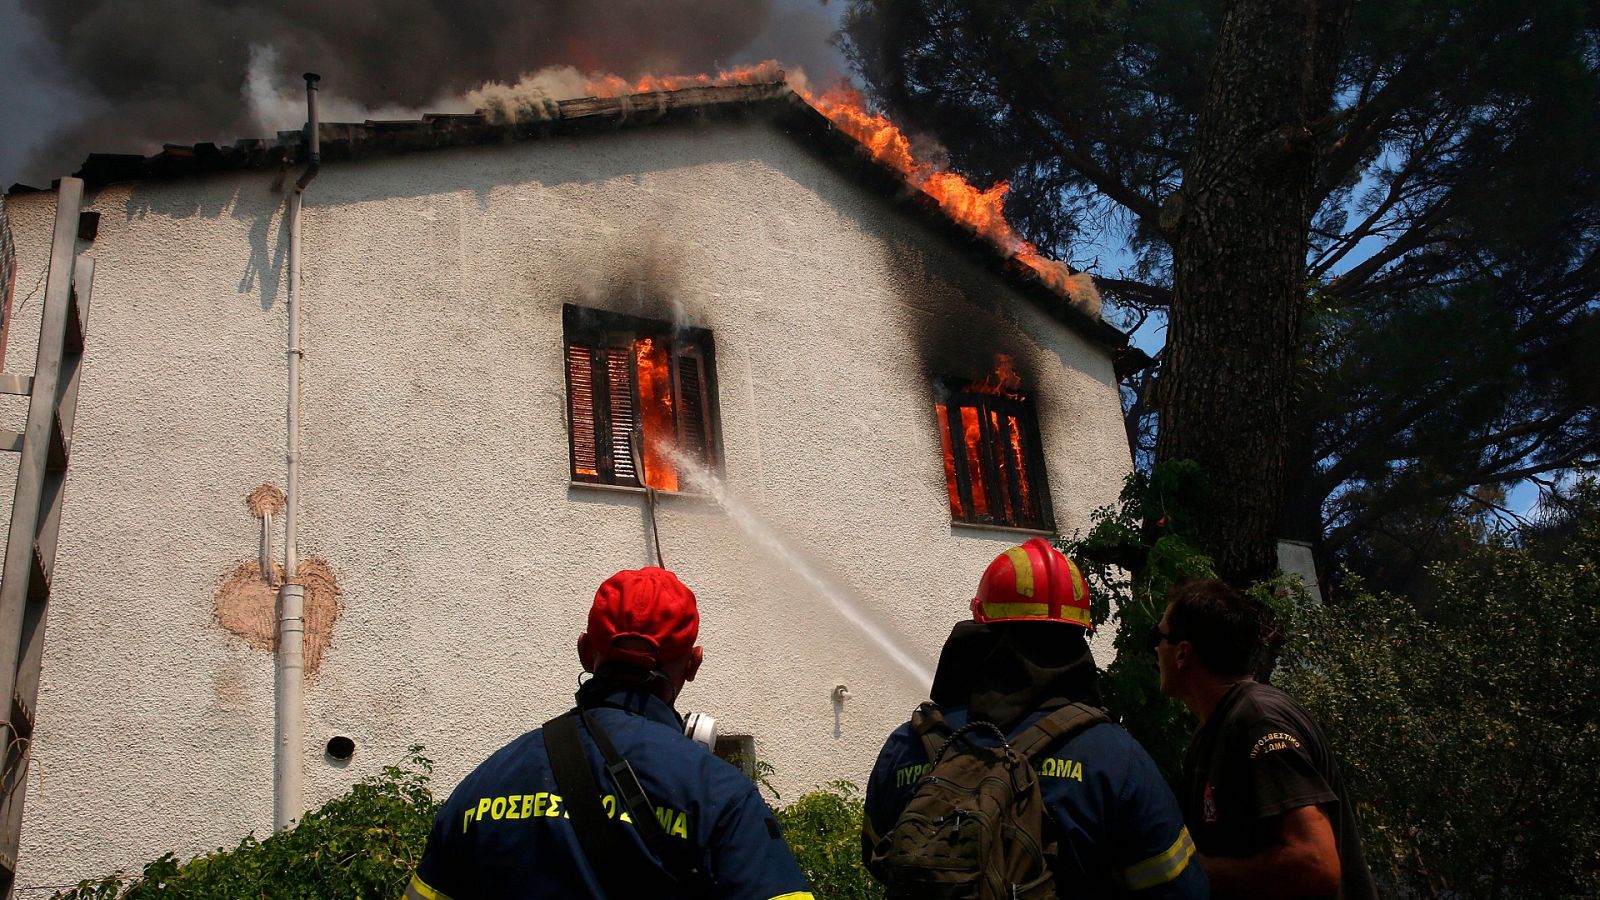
(1470,739)
(363,844)
(824,831)
(366,843)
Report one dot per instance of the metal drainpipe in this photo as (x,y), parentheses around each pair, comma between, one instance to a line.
(289,673)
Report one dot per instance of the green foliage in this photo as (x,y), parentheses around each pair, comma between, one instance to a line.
(365,844)
(824,831)
(361,845)
(1135,552)
(1469,739)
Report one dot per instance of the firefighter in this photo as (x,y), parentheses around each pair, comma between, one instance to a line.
(1260,786)
(1024,657)
(613,799)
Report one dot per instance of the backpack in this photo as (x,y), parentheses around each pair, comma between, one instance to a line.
(973,828)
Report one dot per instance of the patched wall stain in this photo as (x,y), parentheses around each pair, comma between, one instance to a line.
(321,609)
(247,602)
(266,500)
(247,606)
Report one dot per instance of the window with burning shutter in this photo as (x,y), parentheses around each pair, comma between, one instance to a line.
(993,459)
(627,375)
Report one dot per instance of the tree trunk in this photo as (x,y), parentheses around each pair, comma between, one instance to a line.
(1239,233)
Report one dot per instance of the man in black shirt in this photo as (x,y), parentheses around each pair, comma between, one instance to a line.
(1260,792)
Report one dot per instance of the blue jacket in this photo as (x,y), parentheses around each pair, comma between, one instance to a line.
(504,831)
(1117,822)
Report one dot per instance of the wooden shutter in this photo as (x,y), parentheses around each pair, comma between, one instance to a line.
(582,412)
(623,412)
(694,407)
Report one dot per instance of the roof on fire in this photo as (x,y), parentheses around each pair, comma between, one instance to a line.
(775,100)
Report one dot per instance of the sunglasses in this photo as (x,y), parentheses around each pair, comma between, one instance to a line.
(1157,636)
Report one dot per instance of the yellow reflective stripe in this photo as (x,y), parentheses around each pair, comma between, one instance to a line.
(1023,566)
(1161,868)
(1016,610)
(796,895)
(1074,614)
(419,890)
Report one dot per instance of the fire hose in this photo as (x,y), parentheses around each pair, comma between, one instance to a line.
(636,449)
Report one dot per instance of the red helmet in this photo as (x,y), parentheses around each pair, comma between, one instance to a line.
(1033,582)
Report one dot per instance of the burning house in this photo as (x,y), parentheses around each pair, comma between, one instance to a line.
(848,385)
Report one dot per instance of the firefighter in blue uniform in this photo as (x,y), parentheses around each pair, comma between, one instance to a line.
(1117,825)
(507,830)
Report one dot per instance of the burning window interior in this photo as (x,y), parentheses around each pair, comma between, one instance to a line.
(627,374)
(994,467)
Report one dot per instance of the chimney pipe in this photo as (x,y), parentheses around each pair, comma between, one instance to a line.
(313,133)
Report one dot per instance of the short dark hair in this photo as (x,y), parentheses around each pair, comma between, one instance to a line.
(1226,627)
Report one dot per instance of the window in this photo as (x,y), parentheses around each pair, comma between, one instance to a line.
(994,468)
(627,375)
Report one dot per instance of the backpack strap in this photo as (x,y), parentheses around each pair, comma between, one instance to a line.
(597,837)
(609,856)
(1058,725)
(928,724)
(675,856)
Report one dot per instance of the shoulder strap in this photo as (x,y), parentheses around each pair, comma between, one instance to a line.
(680,863)
(1063,723)
(928,724)
(600,843)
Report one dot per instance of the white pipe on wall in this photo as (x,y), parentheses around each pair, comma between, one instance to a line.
(289,671)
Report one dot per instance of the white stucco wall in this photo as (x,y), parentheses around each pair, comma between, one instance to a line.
(435,462)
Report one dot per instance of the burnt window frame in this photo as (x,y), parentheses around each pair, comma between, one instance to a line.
(953,394)
(594,330)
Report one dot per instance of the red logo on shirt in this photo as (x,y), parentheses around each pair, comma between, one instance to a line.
(1208,805)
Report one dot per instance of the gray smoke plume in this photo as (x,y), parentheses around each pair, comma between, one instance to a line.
(146,72)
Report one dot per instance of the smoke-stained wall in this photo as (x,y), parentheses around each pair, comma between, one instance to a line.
(435,464)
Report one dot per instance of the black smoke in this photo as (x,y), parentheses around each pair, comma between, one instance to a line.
(159,71)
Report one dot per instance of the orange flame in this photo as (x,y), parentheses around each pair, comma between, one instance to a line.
(607,85)
(972,436)
(991,448)
(982,211)
(1014,428)
(656,414)
(1003,381)
(943,413)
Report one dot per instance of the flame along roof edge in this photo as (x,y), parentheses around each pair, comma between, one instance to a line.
(373,139)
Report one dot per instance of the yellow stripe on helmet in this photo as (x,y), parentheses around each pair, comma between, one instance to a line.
(1023,566)
(1076,615)
(1017,610)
